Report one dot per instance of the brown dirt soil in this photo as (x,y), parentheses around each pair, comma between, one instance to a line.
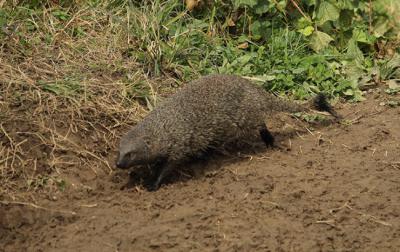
(335,188)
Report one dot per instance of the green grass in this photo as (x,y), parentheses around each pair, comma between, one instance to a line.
(166,40)
(162,39)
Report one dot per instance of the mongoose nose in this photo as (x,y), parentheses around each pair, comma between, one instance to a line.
(122,163)
(119,164)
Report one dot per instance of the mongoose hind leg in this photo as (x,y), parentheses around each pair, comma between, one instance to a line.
(266,136)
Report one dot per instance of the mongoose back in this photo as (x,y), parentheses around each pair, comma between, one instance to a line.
(207,113)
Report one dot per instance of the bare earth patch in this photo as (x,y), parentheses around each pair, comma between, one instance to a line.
(337,189)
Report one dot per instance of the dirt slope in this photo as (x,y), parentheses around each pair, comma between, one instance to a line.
(337,189)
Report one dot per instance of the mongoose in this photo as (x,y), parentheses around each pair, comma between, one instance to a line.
(207,113)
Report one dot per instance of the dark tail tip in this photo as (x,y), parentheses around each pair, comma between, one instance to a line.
(321,103)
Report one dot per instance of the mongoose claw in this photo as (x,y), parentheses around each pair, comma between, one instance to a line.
(153,187)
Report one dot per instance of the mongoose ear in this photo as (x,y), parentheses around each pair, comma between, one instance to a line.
(142,144)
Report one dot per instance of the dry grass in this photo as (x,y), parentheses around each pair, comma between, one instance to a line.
(393,7)
(65,98)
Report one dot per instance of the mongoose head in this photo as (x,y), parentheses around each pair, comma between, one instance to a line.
(133,150)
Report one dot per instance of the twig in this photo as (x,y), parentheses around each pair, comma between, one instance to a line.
(36,206)
(370,17)
(368,216)
(89,205)
(272,203)
(299,9)
(309,131)
(327,222)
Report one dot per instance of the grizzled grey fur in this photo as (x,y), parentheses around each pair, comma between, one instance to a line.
(207,113)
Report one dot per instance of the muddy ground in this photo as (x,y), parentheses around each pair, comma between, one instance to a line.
(331,188)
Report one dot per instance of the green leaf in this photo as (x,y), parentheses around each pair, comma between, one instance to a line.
(307,31)
(261,7)
(381,27)
(392,91)
(361,36)
(354,52)
(349,92)
(60,14)
(310,2)
(390,69)
(393,103)
(259,29)
(393,84)
(346,4)
(327,11)
(3,18)
(303,22)
(66,87)
(265,78)
(250,3)
(345,19)
(319,40)
(357,96)
(353,71)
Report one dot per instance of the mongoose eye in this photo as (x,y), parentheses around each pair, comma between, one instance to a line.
(132,155)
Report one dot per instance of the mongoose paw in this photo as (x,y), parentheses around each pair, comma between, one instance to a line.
(153,187)
(278,147)
(267,137)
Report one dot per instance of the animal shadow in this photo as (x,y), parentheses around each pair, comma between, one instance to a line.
(207,164)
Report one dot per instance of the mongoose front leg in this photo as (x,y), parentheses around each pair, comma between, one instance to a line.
(266,136)
(164,171)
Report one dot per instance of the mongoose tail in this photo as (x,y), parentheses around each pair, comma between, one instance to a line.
(319,102)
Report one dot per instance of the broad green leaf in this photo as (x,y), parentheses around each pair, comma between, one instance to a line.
(381,7)
(3,18)
(310,2)
(327,11)
(258,29)
(391,68)
(307,31)
(281,6)
(361,36)
(299,70)
(381,27)
(393,84)
(353,71)
(62,15)
(392,91)
(345,19)
(243,60)
(250,3)
(357,96)
(319,40)
(347,4)
(262,7)
(354,52)
(303,23)
(264,78)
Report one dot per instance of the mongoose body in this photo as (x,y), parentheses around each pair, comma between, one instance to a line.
(207,113)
